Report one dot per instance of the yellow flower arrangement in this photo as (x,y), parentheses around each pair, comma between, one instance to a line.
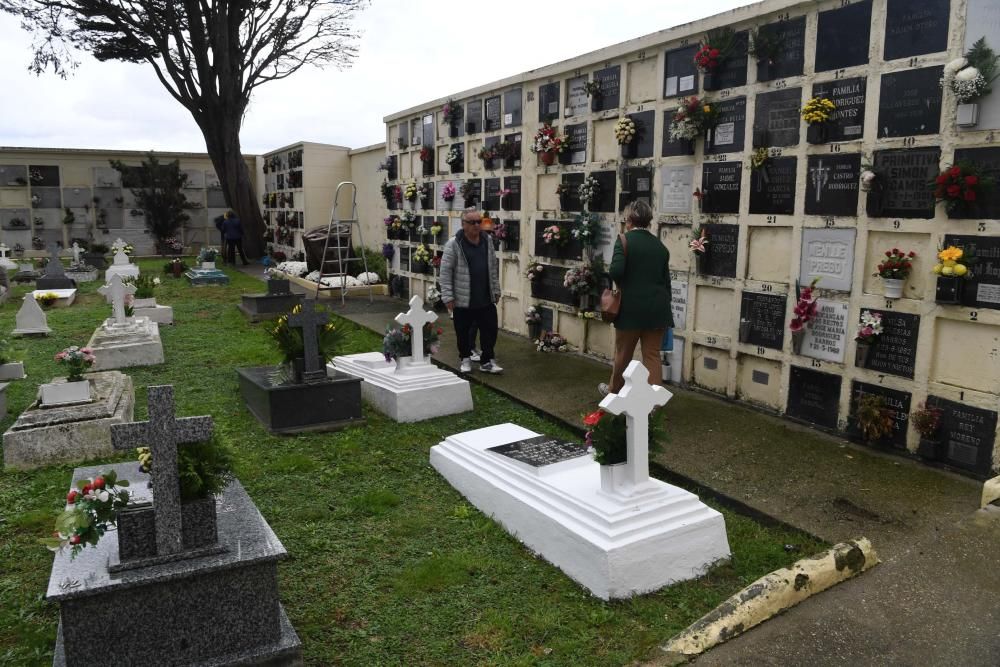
(951,262)
(951,253)
(818,110)
(410,193)
(707,108)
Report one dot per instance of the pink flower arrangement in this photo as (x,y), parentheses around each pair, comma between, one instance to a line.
(448,192)
(805,308)
(554,235)
(77,360)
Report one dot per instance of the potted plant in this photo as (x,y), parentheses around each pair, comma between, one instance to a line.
(692,119)
(594,92)
(175,267)
(451,113)
(759,159)
(927,421)
(388,251)
(969,79)
(699,245)
(454,159)
(488,154)
(145,286)
(468,192)
(718,45)
(607,441)
(869,329)
(587,230)
(556,237)
(894,270)
(448,195)
(817,114)
(206,258)
(588,192)
(625,135)
(960,187)
(92,510)
(388,194)
(874,418)
(765,48)
(76,388)
(397,344)
(952,269)
(427,158)
(9,369)
(534,271)
(533,318)
(548,143)
(803,313)
(426,195)
(46,299)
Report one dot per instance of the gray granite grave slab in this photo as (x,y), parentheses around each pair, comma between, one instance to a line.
(47,197)
(107,177)
(276,302)
(76,197)
(13,175)
(46,436)
(54,275)
(30,319)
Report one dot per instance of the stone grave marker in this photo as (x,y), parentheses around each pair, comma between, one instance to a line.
(791,36)
(915,28)
(982,289)
(576,152)
(116,290)
(491,200)
(723,246)
(987,159)
(828,254)
(720,181)
(833,184)
(512,202)
(6,262)
(610,96)
(813,396)
(30,319)
(910,102)
(308,319)
(548,102)
(492,115)
(677,184)
(673,148)
(679,300)
(54,267)
(515,161)
(427,130)
(540,451)
(906,174)
(549,286)
(843,36)
(512,108)
(637,185)
(577,101)
(762,319)
(969,433)
(417,317)
(733,71)
(897,402)
(729,136)
(773,187)
(608,182)
(896,350)
(847,122)
(570,199)
(826,335)
(777,118)
(680,76)
(645,136)
(475,194)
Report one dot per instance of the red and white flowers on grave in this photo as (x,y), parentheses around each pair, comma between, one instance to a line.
(92,510)
(548,140)
(77,360)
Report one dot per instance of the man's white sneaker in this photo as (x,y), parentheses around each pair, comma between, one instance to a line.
(490,367)
(466,366)
(474,356)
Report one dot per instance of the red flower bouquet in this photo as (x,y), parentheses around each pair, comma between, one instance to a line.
(958,186)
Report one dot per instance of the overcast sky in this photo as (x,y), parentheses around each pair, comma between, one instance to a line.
(411,51)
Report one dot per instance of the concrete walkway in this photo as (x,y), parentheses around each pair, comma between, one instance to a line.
(933,601)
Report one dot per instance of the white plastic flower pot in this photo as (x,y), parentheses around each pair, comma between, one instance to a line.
(967,115)
(613,478)
(892,288)
(62,393)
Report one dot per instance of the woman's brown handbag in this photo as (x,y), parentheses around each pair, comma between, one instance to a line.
(611,299)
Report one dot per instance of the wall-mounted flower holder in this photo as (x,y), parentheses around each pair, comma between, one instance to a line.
(967,115)
(949,290)
(817,133)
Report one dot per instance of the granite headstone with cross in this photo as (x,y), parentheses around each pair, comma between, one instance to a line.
(54,276)
(278,300)
(310,320)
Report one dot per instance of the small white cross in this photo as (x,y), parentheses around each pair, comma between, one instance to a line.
(417,317)
(118,244)
(117,290)
(636,400)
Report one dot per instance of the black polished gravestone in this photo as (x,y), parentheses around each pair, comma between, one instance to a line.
(915,28)
(674,148)
(968,434)
(642,144)
(777,118)
(489,165)
(813,396)
(605,202)
(729,135)
(896,402)
(404,258)
(791,38)
(762,319)
(987,160)
(610,79)
(904,184)
(474,117)
(474,186)
(541,451)
(512,241)
(549,286)
(40,175)
(842,36)
(720,181)
(491,116)
(513,159)
(548,102)
(833,184)
(572,250)
(772,187)
(847,122)
(569,200)
(512,202)
(981,288)
(404,135)
(896,350)
(512,108)
(637,185)
(548,318)
(910,102)
(576,152)
(491,198)
(732,72)
(680,76)
(723,246)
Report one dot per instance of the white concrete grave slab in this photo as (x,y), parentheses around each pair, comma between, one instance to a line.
(121,266)
(122,341)
(64,297)
(5,261)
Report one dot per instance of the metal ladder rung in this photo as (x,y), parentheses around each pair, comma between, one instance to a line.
(339,250)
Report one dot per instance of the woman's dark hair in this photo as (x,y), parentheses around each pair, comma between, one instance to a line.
(639,214)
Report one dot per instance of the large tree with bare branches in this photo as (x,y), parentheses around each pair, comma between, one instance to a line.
(210,55)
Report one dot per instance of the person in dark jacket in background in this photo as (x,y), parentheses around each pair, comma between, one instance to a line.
(232,232)
(642,271)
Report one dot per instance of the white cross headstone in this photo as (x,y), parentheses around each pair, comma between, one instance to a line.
(118,244)
(636,400)
(5,261)
(417,317)
(117,290)
(120,257)
(76,252)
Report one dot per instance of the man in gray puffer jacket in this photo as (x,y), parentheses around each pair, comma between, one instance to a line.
(470,287)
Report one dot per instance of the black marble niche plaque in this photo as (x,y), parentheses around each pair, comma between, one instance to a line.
(762,319)
(843,36)
(475,196)
(968,433)
(637,185)
(913,28)
(576,152)
(474,117)
(427,130)
(541,451)
(896,350)
(910,102)
(512,108)
(723,246)
(569,200)
(988,162)
(548,102)
(404,134)
(610,79)
(982,284)
(813,396)
(404,258)
(513,240)
(777,118)
(645,134)
(680,76)
(791,37)
(43,175)
(729,134)
(491,197)
(674,148)
(847,122)
(513,162)
(833,184)
(772,187)
(720,181)
(605,202)
(491,116)
(548,318)
(905,176)
(733,70)
(490,142)
(512,202)
(898,404)
(549,286)
(572,250)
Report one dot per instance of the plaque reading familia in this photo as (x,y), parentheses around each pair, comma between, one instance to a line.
(729,134)
(677,185)
(969,433)
(762,319)
(813,396)
(541,451)
(910,102)
(772,187)
(826,335)
(897,403)
(915,28)
(733,70)
(576,152)
(720,181)
(847,122)
(828,254)
(906,175)
(982,289)
(577,101)
(790,35)
(609,79)
(833,184)
(895,351)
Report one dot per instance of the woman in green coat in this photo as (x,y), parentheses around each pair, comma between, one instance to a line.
(641,269)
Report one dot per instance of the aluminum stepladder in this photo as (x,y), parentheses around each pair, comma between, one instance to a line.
(336,229)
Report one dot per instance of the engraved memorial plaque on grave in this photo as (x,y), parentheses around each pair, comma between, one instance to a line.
(733,70)
(427,130)
(910,102)
(637,185)
(43,175)
(679,300)
(577,101)
(720,181)
(570,199)
(404,134)
(610,96)
(645,136)
(549,286)
(491,198)
(843,36)
(576,153)
(541,451)
(674,148)
(791,38)
(572,250)
(492,114)
(813,397)
(915,28)
(513,161)
(677,184)
(723,245)
(777,118)
(548,318)
(512,202)
(548,102)
(833,184)
(47,197)
(680,75)
(828,254)
(404,258)
(895,351)
(906,175)
(826,335)
(762,319)
(474,117)
(987,204)
(847,122)
(512,242)
(982,285)
(475,194)
(772,188)
(968,435)
(607,182)
(512,108)
(896,402)
(729,136)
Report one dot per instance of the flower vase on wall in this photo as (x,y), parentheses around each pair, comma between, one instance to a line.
(452,130)
(797,338)
(704,263)
(710,81)
(861,354)
(949,290)
(817,133)
(874,202)
(892,288)
(628,150)
(548,158)
(967,115)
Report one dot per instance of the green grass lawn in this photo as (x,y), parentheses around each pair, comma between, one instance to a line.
(389,565)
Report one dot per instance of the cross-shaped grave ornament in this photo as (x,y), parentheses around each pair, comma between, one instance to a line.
(54,268)
(76,252)
(117,290)
(636,400)
(417,317)
(119,247)
(309,319)
(162,434)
